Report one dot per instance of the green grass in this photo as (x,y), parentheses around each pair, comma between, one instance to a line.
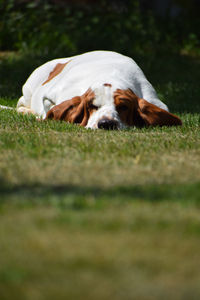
(93,214)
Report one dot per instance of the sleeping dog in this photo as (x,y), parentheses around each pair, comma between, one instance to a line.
(99,89)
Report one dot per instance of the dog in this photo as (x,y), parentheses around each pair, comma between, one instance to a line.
(97,90)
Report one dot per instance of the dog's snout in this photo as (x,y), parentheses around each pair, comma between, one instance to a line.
(107,124)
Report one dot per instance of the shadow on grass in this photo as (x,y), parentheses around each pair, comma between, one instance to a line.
(79,197)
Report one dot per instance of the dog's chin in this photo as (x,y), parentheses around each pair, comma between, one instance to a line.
(91,126)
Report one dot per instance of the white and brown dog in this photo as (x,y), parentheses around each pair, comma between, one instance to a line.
(99,89)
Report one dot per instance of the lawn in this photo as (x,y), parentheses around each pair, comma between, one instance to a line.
(101,214)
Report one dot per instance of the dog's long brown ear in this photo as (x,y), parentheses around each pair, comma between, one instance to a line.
(152,115)
(74,110)
(64,110)
(70,110)
(135,111)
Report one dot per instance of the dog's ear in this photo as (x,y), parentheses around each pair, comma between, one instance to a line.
(152,115)
(74,110)
(138,112)
(70,110)
(64,110)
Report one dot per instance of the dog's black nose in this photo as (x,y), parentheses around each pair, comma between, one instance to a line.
(107,124)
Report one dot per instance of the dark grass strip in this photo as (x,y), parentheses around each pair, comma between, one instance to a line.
(80,197)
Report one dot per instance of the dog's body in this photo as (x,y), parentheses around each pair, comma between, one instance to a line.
(99,89)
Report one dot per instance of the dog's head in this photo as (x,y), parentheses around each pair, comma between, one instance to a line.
(105,109)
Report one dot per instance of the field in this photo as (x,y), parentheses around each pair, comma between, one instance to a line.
(101,214)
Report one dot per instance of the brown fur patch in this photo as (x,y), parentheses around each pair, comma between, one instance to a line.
(57,70)
(108,84)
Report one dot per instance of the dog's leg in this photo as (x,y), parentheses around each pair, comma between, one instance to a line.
(25,110)
(6,107)
(23,105)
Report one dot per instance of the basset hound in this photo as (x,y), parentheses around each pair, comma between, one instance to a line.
(99,89)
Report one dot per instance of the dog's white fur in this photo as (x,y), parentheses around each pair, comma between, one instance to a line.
(90,70)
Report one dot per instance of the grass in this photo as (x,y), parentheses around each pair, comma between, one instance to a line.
(95,214)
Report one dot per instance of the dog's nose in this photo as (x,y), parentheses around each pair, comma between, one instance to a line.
(107,124)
